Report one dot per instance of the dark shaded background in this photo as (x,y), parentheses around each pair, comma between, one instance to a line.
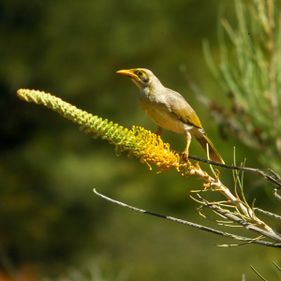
(50,221)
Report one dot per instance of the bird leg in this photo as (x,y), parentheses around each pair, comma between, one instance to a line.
(188,141)
(159,131)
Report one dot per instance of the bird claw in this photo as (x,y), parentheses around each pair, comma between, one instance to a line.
(184,156)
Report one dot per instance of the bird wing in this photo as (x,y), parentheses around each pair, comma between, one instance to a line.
(182,109)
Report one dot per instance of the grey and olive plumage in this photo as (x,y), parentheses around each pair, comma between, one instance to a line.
(169,110)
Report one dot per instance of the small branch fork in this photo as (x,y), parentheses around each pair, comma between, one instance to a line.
(271,176)
(244,240)
(235,208)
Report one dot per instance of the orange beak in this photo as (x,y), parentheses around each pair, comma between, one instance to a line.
(128,73)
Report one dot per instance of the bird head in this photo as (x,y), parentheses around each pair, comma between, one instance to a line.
(142,77)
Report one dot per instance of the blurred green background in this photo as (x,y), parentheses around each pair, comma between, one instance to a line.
(50,221)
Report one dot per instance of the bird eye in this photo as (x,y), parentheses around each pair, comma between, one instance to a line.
(142,75)
(139,73)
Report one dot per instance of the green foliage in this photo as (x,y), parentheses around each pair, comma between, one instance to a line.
(249,72)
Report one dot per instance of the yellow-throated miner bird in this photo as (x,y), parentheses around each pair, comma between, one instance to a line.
(169,110)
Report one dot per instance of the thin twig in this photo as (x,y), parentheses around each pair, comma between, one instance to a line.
(188,223)
(236,245)
(243,222)
(239,219)
(271,176)
(270,214)
(258,274)
(277,265)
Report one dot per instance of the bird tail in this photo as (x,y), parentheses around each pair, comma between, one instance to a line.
(213,153)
